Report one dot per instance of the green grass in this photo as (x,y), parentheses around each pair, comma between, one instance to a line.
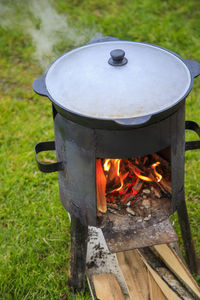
(34,231)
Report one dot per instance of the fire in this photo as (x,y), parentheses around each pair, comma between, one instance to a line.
(158,176)
(113,173)
(113,167)
(117,163)
(122,180)
(145,178)
(107,165)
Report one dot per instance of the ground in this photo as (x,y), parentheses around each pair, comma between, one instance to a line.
(34,227)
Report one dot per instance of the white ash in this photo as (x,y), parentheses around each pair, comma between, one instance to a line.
(147,218)
(130,211)
(146,191)
(139,220)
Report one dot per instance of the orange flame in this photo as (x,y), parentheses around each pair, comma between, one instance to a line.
(158,176)
(107,165)
(122,177)
(113,167)
(145,178)
(115,163)
(137,173)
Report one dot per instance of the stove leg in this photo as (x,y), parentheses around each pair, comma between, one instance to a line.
(191,257)
(78,251)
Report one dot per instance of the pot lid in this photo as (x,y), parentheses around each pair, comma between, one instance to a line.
(118,79)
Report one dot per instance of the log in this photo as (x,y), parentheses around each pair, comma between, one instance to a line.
(163,161)
(138,185)
(175,264)
(101,187)
(107,287)
(136,170)
(155,291)
(135,274)
(166,290)
(166,185)
(138,272)
(171,287)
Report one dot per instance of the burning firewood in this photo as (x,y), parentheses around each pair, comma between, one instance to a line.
(166,185)
(101,187)
(124,182)
(138,185)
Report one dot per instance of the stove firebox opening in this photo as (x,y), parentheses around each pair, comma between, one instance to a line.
(134,186)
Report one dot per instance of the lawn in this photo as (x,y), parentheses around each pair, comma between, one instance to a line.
(34,227)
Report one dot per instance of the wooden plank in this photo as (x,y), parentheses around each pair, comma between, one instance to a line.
(107,287)
(128,233)
(167,291)
(172,260)
(155,291)
(135,274)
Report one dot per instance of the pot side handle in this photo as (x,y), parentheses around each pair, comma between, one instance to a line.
(193,66)
(47,167)
(39,86)
(192,145)
(133,121)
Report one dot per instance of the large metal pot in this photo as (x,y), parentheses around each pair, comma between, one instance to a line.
(117,84)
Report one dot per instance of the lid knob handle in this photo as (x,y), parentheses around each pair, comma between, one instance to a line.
(117,58)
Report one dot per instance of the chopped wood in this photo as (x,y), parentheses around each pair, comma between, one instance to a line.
(166,185)
(107,287)
(141,274)
(101,187)
(138,185)
(178,252)
(167,291)
(155,291)
(164,277)
(135,274)
(156,191)
(172,260)
(136,170)
(125,200)
(163,161)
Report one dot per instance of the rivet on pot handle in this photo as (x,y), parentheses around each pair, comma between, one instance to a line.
(44,167)
(192,145)
(193,66)
(133,121)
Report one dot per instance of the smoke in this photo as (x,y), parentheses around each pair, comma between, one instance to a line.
(47,28)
